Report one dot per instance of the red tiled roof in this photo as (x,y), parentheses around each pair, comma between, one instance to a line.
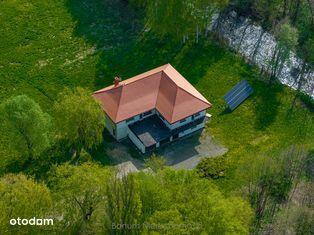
(163,88)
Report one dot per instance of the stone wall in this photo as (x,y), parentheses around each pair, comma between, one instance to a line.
(258,46)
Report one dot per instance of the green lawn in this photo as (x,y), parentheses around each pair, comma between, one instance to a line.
(48,45)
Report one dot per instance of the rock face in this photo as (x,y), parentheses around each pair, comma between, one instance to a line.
(258,46)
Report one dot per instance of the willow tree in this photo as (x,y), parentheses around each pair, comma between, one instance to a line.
(29,125)
(181,19)
(79,119)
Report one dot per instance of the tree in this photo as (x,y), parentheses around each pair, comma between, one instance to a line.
(123,205)
(271,180)
(80,192)
(155,163)
(22,197)
(79,119)
(182,198)
(287,40)
(180,18)
(29,124)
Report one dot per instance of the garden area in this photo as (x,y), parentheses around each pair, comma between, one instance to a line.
(51,50)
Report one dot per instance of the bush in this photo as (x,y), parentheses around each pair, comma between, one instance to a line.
(212,167)
(155,163)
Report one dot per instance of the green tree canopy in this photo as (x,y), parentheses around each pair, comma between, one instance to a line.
(180,18)
(184,198)
(29,125)
(79,119)
(287,37)
(287,41)
(155,162)
(80,193)
(22,197)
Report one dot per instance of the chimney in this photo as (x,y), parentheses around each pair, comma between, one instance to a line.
(116,81)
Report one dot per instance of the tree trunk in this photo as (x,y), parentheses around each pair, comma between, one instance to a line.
(197,33)
(312,13)
(295,14)
(300,83)
(284,13)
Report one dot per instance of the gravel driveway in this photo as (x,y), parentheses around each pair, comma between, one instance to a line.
(187,152)
(183,154)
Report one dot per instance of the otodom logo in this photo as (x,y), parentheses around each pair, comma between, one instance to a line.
(33,221)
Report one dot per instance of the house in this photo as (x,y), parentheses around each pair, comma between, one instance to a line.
(153,108)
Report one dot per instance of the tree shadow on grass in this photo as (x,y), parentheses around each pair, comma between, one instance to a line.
(126,49)
(266,103)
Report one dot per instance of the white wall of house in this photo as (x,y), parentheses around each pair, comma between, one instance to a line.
(121,127)
(110,125)
(191,130)
(183,122)
(136,141)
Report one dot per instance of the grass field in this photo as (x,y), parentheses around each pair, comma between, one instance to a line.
(49,45)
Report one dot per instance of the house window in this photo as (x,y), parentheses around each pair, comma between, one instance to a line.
(130,119)
(176,136)
(197,114)
(183,120)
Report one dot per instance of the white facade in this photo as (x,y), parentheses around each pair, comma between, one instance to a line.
(121,130)
(182,122)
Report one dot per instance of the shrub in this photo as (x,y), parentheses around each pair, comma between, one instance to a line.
(212,167)
(155,162)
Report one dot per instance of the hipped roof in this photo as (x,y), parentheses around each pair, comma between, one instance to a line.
(163,88)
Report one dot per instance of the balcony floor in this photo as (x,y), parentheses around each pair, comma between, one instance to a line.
(150,130)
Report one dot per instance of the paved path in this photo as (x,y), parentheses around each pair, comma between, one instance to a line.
(186,153)
(182,154)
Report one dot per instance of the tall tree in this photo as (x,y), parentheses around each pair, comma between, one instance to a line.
(79,119)
(182,198)
(307,53)
(21,197)
(80,192)
(29,124)
(181,19)
(287,40)
(271,179)
(123,206)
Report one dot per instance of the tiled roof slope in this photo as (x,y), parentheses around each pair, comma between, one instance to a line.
(163,88)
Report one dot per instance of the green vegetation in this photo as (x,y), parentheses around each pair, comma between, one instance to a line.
(28,126)
(49,48)
(212,167)
(79,119)
(21,197)
(155,163)
(180,18)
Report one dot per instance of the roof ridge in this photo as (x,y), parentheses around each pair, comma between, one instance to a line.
(195,96)
(158,70)
(174,103)
(119,102)
(158,92)
(182,88)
